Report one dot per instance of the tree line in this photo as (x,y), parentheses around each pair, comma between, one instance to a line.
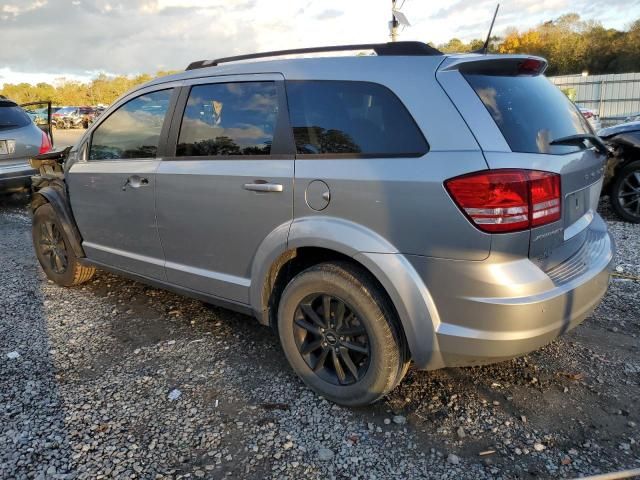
(570,44)
(103,89)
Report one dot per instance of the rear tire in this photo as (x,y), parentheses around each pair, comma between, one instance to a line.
(54,252)
(354,354)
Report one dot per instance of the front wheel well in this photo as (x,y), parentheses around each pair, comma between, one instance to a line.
(292,262)
(37,201)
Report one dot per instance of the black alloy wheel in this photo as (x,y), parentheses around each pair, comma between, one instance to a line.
(331,339)
(625,192)
(629,193)
(52,247)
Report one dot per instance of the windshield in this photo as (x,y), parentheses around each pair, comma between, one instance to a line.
(530,111)
(12,116)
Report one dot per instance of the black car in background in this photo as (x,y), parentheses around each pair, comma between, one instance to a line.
(622,178)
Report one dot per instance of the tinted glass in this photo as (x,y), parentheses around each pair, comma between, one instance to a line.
(133,130)
(12,116)
(530,112)
(229,119)
(351,117)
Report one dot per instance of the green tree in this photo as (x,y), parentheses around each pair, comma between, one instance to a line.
(102,89)
(572,46)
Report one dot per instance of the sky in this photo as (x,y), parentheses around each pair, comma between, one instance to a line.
(45,40)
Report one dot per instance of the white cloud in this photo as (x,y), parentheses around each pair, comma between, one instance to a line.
(11,10)
(7,75)
(61,37)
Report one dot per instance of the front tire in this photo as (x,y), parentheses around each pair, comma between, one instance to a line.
(625,192)
(54,253)
(340,335)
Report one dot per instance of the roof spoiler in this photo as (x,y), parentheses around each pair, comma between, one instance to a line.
(381,49)
(492,64)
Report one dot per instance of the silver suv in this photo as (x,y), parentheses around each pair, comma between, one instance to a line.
(20,139)
(375,210)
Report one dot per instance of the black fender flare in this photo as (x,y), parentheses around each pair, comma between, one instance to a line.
(59,201)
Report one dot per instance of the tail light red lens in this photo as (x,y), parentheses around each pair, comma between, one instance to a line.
(544,191)
(587,115)
(500,201)
(45,144)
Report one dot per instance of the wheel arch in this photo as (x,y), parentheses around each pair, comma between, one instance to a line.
(57,198)
(315,240)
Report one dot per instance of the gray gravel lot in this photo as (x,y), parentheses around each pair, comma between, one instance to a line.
(88,393)
(66,137)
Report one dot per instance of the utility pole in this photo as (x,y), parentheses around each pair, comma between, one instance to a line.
(393,24)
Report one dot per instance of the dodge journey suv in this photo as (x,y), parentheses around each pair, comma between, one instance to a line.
(376,211)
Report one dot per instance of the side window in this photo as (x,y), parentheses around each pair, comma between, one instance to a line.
(344,117)
(133,130)
(229,119)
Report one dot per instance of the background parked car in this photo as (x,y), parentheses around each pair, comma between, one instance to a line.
(622,178)
(592,117)
(634,117)
(90,114)
(38,115)
(20,139)
(74,117)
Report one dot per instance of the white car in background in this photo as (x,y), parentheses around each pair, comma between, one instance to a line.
(592,117)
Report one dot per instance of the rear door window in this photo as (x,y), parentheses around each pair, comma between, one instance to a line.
(223,119)
(133,130)
(12,116)
(530,111)
(351,118)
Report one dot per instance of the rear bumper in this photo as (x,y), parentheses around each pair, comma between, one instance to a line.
(503,307)
(15,177)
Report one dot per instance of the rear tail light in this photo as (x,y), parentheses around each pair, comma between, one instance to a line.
(45,144)
(587,115)
(499,201)
(544,193)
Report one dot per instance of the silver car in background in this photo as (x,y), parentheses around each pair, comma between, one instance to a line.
(20,139)
(592,116)
(376,211)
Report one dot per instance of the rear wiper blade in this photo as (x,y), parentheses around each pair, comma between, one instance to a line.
(579,139)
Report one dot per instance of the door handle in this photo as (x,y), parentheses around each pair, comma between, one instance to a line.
(263,187)
(134,181)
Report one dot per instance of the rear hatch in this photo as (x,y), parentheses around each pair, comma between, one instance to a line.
(516,114)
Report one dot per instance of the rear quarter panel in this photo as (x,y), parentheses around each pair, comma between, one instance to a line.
(400,199)
(28,140)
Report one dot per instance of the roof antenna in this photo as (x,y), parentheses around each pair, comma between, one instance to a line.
(485,47)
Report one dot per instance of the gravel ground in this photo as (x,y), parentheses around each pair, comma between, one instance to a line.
(65,137)
(117,379)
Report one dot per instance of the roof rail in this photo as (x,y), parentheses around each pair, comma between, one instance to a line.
(391,48)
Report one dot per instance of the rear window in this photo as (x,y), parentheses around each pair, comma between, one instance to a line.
(344,117)
(12,116)
(530,111)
